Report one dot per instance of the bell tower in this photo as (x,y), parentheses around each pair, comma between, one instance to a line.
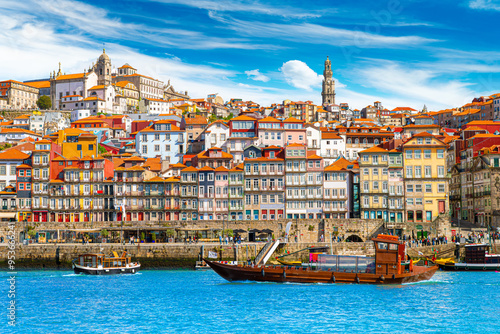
(328,93)
(103,69)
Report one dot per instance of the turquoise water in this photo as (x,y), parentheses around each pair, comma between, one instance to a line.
(202,302)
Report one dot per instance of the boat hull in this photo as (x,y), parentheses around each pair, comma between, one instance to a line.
(305,275)
(470,267)
(106,271)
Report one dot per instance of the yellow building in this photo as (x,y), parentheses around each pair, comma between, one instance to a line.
(374,182)
(75,142)
(425,178)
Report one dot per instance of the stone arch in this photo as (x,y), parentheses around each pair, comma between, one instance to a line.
(353,238)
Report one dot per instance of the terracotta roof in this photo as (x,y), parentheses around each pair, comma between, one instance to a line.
(39,84)
(156,179)
(243,118)
(403,109)
(206,169)
(24,166)
(93,98)
(330,135)
(269,119)
(178,165)
(173,179)
(292,120)
(314,157)
(126,66)
(70,76)
(295,145)
(221,169)
(189,169)
(340,164)
(374,149)
(135,158)
(196,120)
(13,154)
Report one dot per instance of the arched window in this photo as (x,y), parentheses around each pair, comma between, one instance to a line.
(349,141)
(365,141)
(375,141)
(356,141)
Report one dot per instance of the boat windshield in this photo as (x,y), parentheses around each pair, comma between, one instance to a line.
(348,264)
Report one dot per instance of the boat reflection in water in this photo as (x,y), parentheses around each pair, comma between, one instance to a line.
(387,267)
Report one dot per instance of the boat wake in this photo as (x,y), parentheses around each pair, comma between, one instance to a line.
(428,282)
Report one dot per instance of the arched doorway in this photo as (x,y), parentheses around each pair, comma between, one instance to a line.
(353,238)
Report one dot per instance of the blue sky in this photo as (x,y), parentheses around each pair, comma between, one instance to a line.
(403,53)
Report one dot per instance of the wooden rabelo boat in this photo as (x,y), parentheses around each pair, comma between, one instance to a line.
(100,264)
(386,267)
(477,258)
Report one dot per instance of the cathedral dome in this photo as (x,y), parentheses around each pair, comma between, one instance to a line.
(104,56)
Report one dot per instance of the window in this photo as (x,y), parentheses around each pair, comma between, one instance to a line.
(409,188)
(427,154)
(157,148)
(417,154)
(202,177)
(418,188)
(428,188)
(440,170)
(440,187)
(440,154)
(418,171)
(409,154)
(12,170)
(79,147)
(428,171)
(144,149)
(91,147)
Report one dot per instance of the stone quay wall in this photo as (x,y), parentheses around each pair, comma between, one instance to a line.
(302,230)
(152,255)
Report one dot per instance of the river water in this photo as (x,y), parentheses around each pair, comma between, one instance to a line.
(184,301)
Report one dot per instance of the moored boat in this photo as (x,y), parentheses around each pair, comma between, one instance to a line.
(100,264)
(386,267)
(477,258)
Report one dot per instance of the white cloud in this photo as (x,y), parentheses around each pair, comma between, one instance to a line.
(413,85)
(485,4)
(256,75)
(318,34)
(299,75)
(246,6)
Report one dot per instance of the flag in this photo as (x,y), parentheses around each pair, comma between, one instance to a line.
(212,255)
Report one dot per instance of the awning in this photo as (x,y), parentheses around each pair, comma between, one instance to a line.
(8,214)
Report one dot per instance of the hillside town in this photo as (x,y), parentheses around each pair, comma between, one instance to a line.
(117,145)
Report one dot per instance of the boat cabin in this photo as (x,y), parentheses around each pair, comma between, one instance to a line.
(389,253)
(100,260)
(479,253)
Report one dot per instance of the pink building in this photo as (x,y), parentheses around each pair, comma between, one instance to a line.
(295,132)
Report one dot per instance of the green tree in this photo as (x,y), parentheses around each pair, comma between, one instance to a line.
(100,149)
(231,115)
(44,102)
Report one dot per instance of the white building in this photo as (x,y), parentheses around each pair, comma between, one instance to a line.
(332,147)
(9,160)
(14,135)
(154,106)
(337,185)
(313,137)
(79,114)
(162,139)
(216,135)
(37,123)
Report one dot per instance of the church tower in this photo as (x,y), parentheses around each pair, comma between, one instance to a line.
(103,69)
(328,93)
